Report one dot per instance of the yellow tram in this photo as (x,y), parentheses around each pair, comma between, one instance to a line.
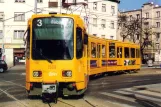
(60,55)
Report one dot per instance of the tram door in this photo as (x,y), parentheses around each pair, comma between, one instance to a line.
(119,56)
(99,61)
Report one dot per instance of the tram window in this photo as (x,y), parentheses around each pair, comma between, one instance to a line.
(98,51)
(132,52)
(27,51)
(126,51)
(112,50)
(103,51)
(137,53)
(79,43)
(93,50)
(120,52)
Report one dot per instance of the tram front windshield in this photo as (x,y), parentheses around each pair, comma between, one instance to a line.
(52,38)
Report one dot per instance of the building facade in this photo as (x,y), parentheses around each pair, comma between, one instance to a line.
(150,14)
(100,19)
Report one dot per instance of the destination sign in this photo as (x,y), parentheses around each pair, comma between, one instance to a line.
(49,21)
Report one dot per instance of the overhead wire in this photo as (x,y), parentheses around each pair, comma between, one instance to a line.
(43,8)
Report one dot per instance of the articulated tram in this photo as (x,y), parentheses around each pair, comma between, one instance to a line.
(60,55)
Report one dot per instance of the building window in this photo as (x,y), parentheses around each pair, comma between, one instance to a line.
(95,22)
(111,37)
(94,34)
(158,24)
(113,10)
(138,16)
(103,7)
(1,34)
(103,36)
(103,23)
(130,17)
(39,1)
(157,36)
(1,16)
(146,23)
(19,17)
(147,15)
(19,1)
(112,24)
(94,6)
(158,14)
(18,34)
(137,36)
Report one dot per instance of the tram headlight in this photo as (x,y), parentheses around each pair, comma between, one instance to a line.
(37,73)
(67,73)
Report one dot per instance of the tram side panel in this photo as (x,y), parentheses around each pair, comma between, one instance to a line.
(97,55)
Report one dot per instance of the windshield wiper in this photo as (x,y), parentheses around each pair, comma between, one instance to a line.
(42,55)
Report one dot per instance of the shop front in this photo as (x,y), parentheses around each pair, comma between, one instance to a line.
(19,56)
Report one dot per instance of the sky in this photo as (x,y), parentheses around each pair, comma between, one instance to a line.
(134,4)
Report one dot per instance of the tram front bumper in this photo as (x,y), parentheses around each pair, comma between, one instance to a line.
(42,88)
(49,88)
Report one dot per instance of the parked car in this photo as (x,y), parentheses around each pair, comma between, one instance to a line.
(3,66)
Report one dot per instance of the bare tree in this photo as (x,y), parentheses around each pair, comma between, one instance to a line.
(130,27)
(123,26)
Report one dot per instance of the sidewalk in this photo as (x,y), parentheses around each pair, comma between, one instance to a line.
(154,66)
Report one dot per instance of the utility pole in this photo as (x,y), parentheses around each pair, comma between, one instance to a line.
(60,5)
(35,7)
(141,36)
(3,35)
(3,49)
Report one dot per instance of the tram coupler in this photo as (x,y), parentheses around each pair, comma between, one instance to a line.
(50,92)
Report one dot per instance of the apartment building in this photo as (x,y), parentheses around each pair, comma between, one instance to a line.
(100,18)
(151,17)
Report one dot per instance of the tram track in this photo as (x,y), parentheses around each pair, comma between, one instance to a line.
(113,83)
(14,98)
(71,105)
(25,105)
(122,83)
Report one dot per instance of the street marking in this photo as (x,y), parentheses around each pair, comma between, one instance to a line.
(148,98)
(138,80)
(99,84)
(119,97)
(17,79)
(14,83)
(122,92)
(15,73)
(23,73)
(6,90)
(11,96)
